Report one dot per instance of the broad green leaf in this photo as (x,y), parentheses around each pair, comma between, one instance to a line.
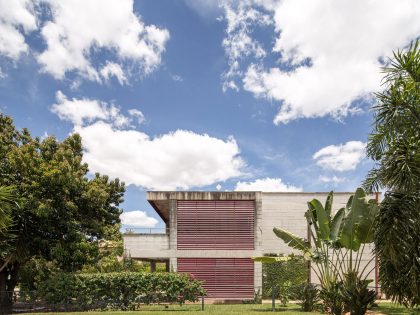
(336,224)
(323,219)
(355,209)
(328,204)
(292,240)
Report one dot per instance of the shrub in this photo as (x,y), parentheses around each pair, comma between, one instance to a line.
(332,298)
(278,274)
(308,296)
(119,291)
(358,298)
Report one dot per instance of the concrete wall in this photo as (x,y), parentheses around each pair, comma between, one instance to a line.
(286,210)
(147,245)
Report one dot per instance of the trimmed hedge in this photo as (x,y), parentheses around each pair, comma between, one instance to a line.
(118,291)
(284,276)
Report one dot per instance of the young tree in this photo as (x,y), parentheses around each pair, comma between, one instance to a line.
(394,145)
(62,213)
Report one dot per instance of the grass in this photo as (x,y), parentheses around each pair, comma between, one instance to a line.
(246,309)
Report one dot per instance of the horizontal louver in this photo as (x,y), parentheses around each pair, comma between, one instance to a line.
(218,224)
(223,277)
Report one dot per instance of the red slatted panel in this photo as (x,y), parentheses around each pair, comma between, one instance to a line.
(222,224)
(228,278)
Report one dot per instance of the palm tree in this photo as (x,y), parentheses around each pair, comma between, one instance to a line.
(394,145)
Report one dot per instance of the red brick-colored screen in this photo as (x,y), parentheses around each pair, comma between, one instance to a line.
(223,277)
(221,224)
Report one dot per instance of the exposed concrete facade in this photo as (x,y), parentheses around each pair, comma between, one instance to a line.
(285,210)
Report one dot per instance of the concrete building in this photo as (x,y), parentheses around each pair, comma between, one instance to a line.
(213,235)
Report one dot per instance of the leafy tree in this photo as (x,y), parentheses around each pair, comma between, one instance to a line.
(6,204)
(63,214)
(394,145)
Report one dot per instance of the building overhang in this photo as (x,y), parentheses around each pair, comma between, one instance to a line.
(161,200)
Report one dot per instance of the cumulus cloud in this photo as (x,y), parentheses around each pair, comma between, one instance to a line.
(180,159)
(83,111)
(17,18)
(342,157)
(267,185)
(328,53)
(138,219)
(76,31)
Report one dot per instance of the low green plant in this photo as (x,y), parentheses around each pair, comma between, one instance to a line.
(357,297)
(119,291)
(308,296)
(256,300)
(332,298)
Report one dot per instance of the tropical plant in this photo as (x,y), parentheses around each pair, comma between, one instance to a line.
(308,296)
(332,298)
(394,145)
(356,295)
(339,242)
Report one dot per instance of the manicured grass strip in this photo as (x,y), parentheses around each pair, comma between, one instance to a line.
(246,309)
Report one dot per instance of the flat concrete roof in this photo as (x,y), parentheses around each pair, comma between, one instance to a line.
(160,200)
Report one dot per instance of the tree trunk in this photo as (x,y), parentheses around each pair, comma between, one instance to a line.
(8,281)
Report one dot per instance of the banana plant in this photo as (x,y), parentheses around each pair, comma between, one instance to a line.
(333,239)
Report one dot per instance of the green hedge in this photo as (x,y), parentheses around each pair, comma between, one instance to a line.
(118,291)
(285,276)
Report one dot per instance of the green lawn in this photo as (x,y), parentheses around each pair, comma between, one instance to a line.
(384,308)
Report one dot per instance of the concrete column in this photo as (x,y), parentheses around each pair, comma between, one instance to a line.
(173,264)
(152,266)
(258,246)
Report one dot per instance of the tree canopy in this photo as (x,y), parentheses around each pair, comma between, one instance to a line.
(63,211)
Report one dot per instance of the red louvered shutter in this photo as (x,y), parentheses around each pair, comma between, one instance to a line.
(223,277)
(221,224)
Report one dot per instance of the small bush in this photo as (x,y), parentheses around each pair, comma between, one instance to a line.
(308,296)
(358,298)
(333,299)
(119,291)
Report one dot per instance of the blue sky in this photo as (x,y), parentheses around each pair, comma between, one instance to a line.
(204,95)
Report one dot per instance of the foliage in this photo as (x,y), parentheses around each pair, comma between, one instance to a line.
(256,300)
(6,203)
(357,297)
(332,298)
(394,145)
(277,274)
(63,215)
(338,240)
(397,246)
(118,291)
(308,296)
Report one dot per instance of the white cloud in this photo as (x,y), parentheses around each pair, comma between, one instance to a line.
(113,69)
(238,43)
(80,28)
(138,115)
(328,52)
(334,179)
(15,16)
(267,185)
(180,159)
(342,157)
(83,111)
(138,219)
